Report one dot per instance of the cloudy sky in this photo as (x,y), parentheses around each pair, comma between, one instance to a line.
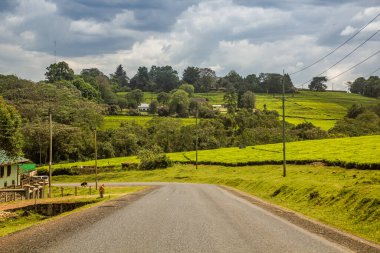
(249,36)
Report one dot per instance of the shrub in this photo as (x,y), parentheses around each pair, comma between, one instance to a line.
(42,172)
(152,158)
(64,171)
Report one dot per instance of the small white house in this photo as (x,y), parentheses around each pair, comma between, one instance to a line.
(10,169)
(217,107)
(143,107)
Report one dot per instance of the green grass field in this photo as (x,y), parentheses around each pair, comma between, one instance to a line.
(351,151)
(115,121)
(322,109)
(347,199)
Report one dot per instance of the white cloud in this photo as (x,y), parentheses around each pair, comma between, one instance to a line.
(348,31)
(367,13)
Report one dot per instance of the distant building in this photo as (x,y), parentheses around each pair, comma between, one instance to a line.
(10,169)
(217,107)
(144,107)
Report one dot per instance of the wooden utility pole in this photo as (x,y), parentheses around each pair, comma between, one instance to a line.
(196,139)
(96,161)
(283,125)
(50,153)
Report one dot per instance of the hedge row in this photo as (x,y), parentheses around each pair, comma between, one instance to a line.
(348,165)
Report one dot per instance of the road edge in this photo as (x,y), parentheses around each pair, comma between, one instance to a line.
(331,234)
(38,237)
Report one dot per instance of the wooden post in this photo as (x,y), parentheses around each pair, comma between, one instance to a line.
(76,191)
(283,126)
(96,161)
(51,152)
(196,139)
(90,190)
(61,191)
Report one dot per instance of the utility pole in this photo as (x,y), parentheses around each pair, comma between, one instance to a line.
(196,139)
(283,125)
(51,152)
(96,161)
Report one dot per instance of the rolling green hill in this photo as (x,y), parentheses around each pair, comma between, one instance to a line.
(322,109)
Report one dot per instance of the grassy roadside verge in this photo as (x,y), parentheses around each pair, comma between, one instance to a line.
(346,199)
(20,222)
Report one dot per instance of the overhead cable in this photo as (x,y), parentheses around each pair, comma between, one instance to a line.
(345,42)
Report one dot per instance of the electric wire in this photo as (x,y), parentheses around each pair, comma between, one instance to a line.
(341,45)
(366,59)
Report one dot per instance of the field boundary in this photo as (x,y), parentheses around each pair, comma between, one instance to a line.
(343,164)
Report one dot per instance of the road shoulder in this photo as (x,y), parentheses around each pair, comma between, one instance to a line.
(334,235)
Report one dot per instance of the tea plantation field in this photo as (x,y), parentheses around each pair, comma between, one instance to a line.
(322,109)
(358,152)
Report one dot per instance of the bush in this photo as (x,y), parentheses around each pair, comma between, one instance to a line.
(152,158)
(133,112)
(42,172)
(64,171)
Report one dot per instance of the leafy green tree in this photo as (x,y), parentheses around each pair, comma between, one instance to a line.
(358,86)
(134,98)
(141,80)
(153,107)
(179,103)
(318,83)
(58,72)
(105,89)
(248,100)
(165,78)
(188,88)
(11,139)
(86,89)
(230,100)
(191,75)
(163,98)
(207,80)
(120,77)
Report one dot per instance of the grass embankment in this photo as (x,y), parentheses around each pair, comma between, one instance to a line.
(17,221)
(347,199)
(355,152)
(322,109)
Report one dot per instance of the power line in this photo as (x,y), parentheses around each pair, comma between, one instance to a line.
(347,55)
(341,45)
(366,59)
(356,48)
(373,72)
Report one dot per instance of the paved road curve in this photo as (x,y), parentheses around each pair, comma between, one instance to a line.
(192,218)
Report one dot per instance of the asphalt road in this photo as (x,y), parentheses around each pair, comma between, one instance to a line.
(192,218)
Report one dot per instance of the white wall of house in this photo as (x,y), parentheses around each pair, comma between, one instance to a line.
(8,175)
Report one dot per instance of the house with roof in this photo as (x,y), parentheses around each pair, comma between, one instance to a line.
(143,107)
(11,168)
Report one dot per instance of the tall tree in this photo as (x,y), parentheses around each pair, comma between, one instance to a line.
(248,100)
(230,99)
(10,129)
(141,80)
(58,72)
(191,75)
(318,83)
(165,78)
(120,77)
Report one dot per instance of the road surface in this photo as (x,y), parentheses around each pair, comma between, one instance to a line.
(192,218)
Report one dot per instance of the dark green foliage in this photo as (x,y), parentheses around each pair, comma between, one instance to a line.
(63,171)
(11,139)
(86,89)
(152,158)
(191,75)
(120,77)
(365,123)
(163,98)
(141,80)
(153,107)
(369,87)
(58,72)
(354,111)
(318,83)
(134,98)
(165,78)
(307,131)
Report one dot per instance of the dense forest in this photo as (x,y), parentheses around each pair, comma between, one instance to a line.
(77,104)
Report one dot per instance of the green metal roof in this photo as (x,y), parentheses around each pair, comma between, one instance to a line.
(26,167)
(5,159)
